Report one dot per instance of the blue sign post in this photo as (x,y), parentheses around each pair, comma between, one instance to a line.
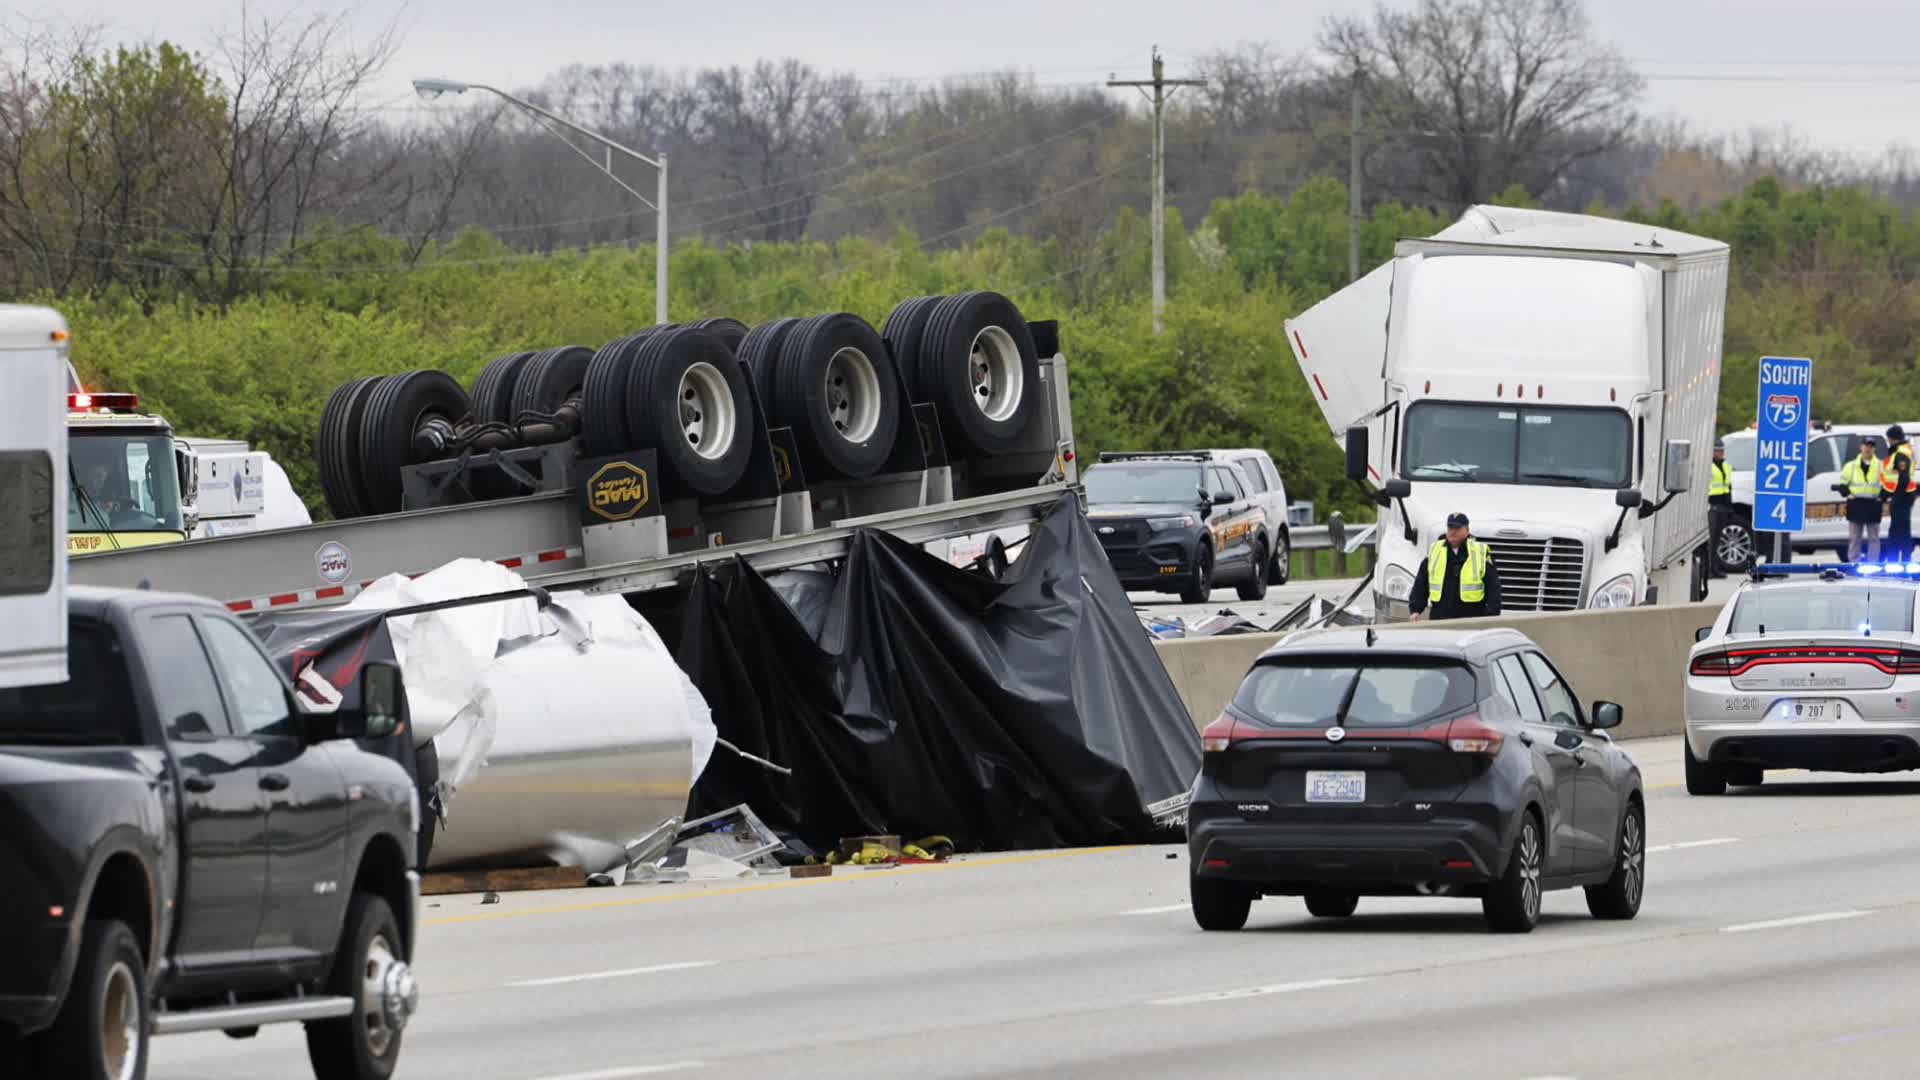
(1780,468)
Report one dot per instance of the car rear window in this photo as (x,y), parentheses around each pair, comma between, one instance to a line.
(93,707)
(1317,692)
(1843,608)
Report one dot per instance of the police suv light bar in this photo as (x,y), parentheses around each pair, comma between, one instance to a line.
(1837,570)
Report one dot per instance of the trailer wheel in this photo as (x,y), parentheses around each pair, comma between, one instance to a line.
(492,393)
(101,1032)
(339,446)
(979,366)
(394,415)
(603,395)
(687,398)
(760,351)
(731,332)
(902,331)
(550,379)
(836,387)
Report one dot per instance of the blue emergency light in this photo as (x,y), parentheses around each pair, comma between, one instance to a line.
(1836,570)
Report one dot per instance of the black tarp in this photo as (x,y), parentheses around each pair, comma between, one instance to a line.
(918,698)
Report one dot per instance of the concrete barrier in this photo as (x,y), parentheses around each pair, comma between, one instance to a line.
(1636,656)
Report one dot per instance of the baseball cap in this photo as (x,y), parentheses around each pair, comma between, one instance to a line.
(1456,520)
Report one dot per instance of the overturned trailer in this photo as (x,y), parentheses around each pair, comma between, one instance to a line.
(649,463)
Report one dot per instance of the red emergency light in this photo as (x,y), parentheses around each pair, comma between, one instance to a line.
(90,402)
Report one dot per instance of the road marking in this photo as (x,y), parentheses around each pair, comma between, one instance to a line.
(1685,844)
(1256,991)
(1162,910)
(619,974)
(626,1071)
(738,890)
(1797,920)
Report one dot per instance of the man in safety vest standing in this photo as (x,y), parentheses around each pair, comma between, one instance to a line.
(1897,485)
(1457,579)
(1860,483)
(1719,506)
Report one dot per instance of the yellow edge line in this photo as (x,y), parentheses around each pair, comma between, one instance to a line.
(739,890)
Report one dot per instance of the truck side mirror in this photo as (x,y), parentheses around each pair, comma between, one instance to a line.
(1628,498)
(1357,453)
(186,468)
(1396,488)
(1677,476)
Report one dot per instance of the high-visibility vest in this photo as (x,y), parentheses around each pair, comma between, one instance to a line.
(1473,572)
(1862,478)
(1722,479)
(1889,469)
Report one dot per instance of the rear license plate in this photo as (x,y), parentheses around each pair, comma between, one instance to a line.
(1337,787)
(1810,710)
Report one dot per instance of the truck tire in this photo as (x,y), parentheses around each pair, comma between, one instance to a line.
(836,387)
(549,380)
(603,395)
(397,409)
(366,1044)
(101,1032)
(731,332)
(902,331)
(686,397)
(492,393)
(978,366)
(339,447)
(760,351)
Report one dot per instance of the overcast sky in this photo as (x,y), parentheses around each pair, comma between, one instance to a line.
(1729,65)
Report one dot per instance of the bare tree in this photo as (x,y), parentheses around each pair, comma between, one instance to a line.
(1489,93)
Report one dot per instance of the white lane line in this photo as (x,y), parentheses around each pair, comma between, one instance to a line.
(626,1071)
(1256,991)
(1797,920)
(1162,910)
(620,974)
(1685,844)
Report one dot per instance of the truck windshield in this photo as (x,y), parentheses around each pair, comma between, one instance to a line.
(122,482)
(1109,482)
(1511,444)
(94,707)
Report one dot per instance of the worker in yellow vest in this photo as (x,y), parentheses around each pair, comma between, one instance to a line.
(1860,483)
(1457,579)
(1897,486)
(1719,505)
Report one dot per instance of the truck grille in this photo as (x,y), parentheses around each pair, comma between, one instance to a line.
(1540,574)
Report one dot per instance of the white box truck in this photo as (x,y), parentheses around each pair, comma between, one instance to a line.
(33,497)
(1552,376)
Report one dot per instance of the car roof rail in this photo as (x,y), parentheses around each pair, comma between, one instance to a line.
(1156,455)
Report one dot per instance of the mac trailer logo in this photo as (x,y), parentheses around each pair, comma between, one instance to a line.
(1335,734)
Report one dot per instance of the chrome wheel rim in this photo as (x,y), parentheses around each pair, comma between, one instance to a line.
(997,378)
(853,394)
(1632,859)
(707,417)
(1530,871)
(1736,545)
(120,1023)
(379,1028)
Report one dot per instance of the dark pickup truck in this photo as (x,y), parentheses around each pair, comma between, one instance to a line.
(185,848)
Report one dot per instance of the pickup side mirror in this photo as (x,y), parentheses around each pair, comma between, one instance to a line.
(1677,476)
(381,702)
(1628,498)
(1606,715)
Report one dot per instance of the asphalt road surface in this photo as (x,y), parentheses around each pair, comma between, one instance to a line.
(1780,938)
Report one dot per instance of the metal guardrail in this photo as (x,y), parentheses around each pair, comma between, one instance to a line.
(1320,538)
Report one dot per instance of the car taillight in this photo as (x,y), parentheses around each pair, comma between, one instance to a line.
(1908,663)
(1468,735)
(1713,663)
(1219,735)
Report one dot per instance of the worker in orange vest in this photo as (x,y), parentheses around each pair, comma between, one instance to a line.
(1897,486)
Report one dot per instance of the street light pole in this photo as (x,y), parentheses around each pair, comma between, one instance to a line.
(433,88)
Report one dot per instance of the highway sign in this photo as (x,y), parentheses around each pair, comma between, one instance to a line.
(1780,468)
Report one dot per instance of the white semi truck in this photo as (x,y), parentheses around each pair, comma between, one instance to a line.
(1553,377)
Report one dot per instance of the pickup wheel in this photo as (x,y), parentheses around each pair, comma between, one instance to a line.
(368,969)
(101,1032)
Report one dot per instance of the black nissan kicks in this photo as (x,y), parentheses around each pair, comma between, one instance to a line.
(1358,763)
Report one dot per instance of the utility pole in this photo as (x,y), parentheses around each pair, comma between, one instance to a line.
(1163,88)
(1353,184)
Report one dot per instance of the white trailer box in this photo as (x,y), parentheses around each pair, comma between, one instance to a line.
(33,497)
(1553,376)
